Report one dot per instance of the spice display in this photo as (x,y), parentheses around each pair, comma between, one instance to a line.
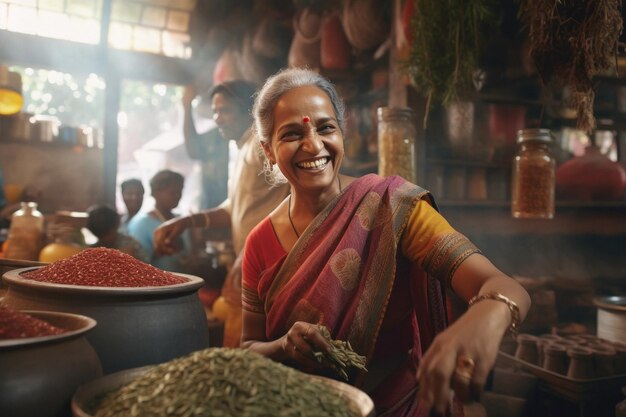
(103,267)
(17,325)
(396,143)
(341,355)
(534,170)
(224,382)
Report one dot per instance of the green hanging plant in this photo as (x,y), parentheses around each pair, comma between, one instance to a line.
(447,40)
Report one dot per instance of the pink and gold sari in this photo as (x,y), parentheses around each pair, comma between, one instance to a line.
(343,272)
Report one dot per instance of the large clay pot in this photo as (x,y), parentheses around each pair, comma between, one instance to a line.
(366,23)
(227,66)
(136,326)
(39,375)
(335,48)
(592,176)
(306,43)
(503,123)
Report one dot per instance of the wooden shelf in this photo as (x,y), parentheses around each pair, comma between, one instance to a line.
(571,218)
(467,163)
(559,204)
(58,145)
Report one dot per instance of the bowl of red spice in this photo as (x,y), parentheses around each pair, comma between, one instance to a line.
(145,315)
(44,358)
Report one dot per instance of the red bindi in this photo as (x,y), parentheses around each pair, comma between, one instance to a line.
(306,119)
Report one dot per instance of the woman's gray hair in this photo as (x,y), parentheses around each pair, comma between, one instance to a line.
(282,82)
(265,102)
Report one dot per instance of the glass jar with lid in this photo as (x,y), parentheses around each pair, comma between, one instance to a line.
(396,142)
(26,233)
(534,167)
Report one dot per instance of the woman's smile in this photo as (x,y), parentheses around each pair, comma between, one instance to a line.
(314,164)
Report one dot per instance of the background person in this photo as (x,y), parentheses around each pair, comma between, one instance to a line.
(132,194)
(369,258)
(103,221)
(211,149)
(250,197)
(166,188)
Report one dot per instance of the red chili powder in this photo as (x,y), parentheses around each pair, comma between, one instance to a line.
(103,267)
(17,325)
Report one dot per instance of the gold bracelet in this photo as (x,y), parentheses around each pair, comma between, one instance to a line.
(513,308)
(207,219)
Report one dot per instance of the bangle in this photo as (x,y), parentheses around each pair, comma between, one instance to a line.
(513,308)
(207,219)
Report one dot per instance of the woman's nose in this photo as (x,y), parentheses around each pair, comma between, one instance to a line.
(312,143)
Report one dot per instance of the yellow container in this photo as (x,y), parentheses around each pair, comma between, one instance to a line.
(58,250)
(11,100)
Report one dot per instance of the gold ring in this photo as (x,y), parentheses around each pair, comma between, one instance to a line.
(464,367)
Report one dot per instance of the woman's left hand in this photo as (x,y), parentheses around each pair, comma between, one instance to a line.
(461,357)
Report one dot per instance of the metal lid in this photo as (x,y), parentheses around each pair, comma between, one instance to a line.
(534,135)
(385,113)
(615,302)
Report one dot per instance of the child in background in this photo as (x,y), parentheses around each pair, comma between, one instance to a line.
(132,194)
(103,221)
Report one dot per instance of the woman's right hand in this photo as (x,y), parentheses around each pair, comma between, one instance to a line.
(300,343)
(167,234)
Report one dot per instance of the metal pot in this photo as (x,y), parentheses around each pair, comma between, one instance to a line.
(16,127)
(611,318)
(137,326)
(45,128)
(39,375)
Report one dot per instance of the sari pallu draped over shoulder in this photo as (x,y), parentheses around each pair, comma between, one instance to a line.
(341,271)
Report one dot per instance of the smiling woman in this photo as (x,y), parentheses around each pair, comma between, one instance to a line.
(368,258)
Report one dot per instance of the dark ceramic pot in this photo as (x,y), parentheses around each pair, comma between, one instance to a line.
(39,375)
(137,326)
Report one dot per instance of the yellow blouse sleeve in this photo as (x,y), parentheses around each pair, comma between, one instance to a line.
(432,243)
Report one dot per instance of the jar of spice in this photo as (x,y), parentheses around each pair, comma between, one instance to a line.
(396,143)
(26,233)
(533,175)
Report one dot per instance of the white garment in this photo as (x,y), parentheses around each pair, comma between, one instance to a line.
(250,197)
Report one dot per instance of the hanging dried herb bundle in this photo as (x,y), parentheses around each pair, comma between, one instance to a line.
(447,39)
(571,41)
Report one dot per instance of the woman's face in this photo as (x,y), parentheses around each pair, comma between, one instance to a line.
(306,142)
